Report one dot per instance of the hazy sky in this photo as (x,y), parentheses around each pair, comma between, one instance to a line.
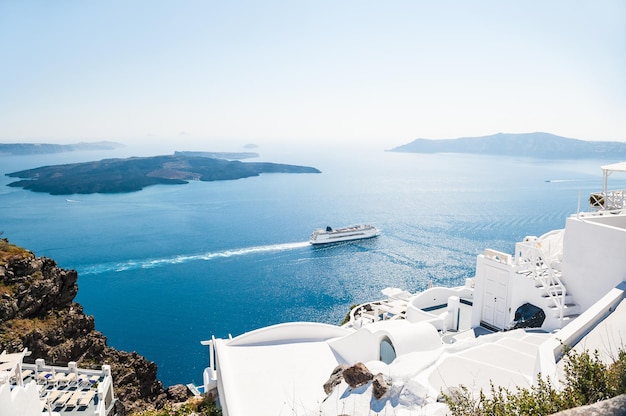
(388,71)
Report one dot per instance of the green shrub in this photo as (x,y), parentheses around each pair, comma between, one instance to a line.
(617,373)
(204,407)
(347,318)
(587,380)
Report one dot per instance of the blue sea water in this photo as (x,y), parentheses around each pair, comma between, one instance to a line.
(167,267)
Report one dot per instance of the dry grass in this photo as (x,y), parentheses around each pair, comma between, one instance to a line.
(6,290)
(9,251)
(16,328)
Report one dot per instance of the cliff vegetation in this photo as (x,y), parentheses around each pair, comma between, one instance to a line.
(38,312)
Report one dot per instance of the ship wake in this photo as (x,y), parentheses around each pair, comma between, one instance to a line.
(151,263)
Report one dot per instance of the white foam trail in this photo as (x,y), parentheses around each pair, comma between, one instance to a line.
(563,180)
(152,263)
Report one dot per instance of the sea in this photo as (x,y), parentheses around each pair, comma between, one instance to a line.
(167,267)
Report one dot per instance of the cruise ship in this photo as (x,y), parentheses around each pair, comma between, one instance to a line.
(507,325)
(335,235)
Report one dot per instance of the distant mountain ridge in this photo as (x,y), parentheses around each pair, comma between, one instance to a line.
(46,148)
(538,145)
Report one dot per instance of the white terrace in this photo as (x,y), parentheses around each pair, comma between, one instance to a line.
(609,200)
(36,389)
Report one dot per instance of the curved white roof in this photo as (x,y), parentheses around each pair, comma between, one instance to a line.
(289,332)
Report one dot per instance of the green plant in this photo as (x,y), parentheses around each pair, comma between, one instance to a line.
(587,380)
(347,318)
(200,407)
(208,407)
(617,373)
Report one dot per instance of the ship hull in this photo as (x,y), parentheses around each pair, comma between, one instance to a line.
(358,232)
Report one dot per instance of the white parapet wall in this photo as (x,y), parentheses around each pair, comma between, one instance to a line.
(551,351)
(593,256)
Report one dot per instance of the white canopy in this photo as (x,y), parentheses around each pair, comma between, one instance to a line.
(607,170)
(615,167)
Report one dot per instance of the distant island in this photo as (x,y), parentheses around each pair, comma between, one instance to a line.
(134,174)
(46,148)
(537,145)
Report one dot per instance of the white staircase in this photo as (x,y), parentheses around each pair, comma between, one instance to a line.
(539,259)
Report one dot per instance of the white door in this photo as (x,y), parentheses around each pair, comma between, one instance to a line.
(494,297)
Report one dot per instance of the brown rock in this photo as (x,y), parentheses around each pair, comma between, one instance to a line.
(357,375)
(335,378)
(178,393)
(380,386)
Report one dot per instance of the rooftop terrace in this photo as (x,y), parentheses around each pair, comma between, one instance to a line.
(30,389)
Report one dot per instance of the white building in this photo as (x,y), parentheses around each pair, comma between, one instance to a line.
(36,389)
(506,325)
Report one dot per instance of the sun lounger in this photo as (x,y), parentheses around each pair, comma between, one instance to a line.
(62,399)
(86,398)
(26,374)
(68,378)
(85,381)
(42,378)
(54,395)
(73,401)
(57,378)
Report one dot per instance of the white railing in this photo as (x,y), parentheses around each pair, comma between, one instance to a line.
(498,256)
(530,259)
(608,201)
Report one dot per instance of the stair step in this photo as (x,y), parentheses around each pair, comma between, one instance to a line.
(569,309)
(567,319)
(556,292)
(549,286)
(567,316)
(566,306)
(549,301)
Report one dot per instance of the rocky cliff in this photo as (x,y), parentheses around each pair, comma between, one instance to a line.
(38,312)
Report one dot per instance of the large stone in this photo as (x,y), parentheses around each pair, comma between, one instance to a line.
(335,378)
(357,375)
(178,393)
(380,386)
(611,407)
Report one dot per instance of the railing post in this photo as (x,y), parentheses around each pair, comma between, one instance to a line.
(212,363)
(531,253)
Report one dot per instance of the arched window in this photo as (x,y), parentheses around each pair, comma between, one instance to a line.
(387,352)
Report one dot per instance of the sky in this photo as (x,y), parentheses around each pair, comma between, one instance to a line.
(310,71)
